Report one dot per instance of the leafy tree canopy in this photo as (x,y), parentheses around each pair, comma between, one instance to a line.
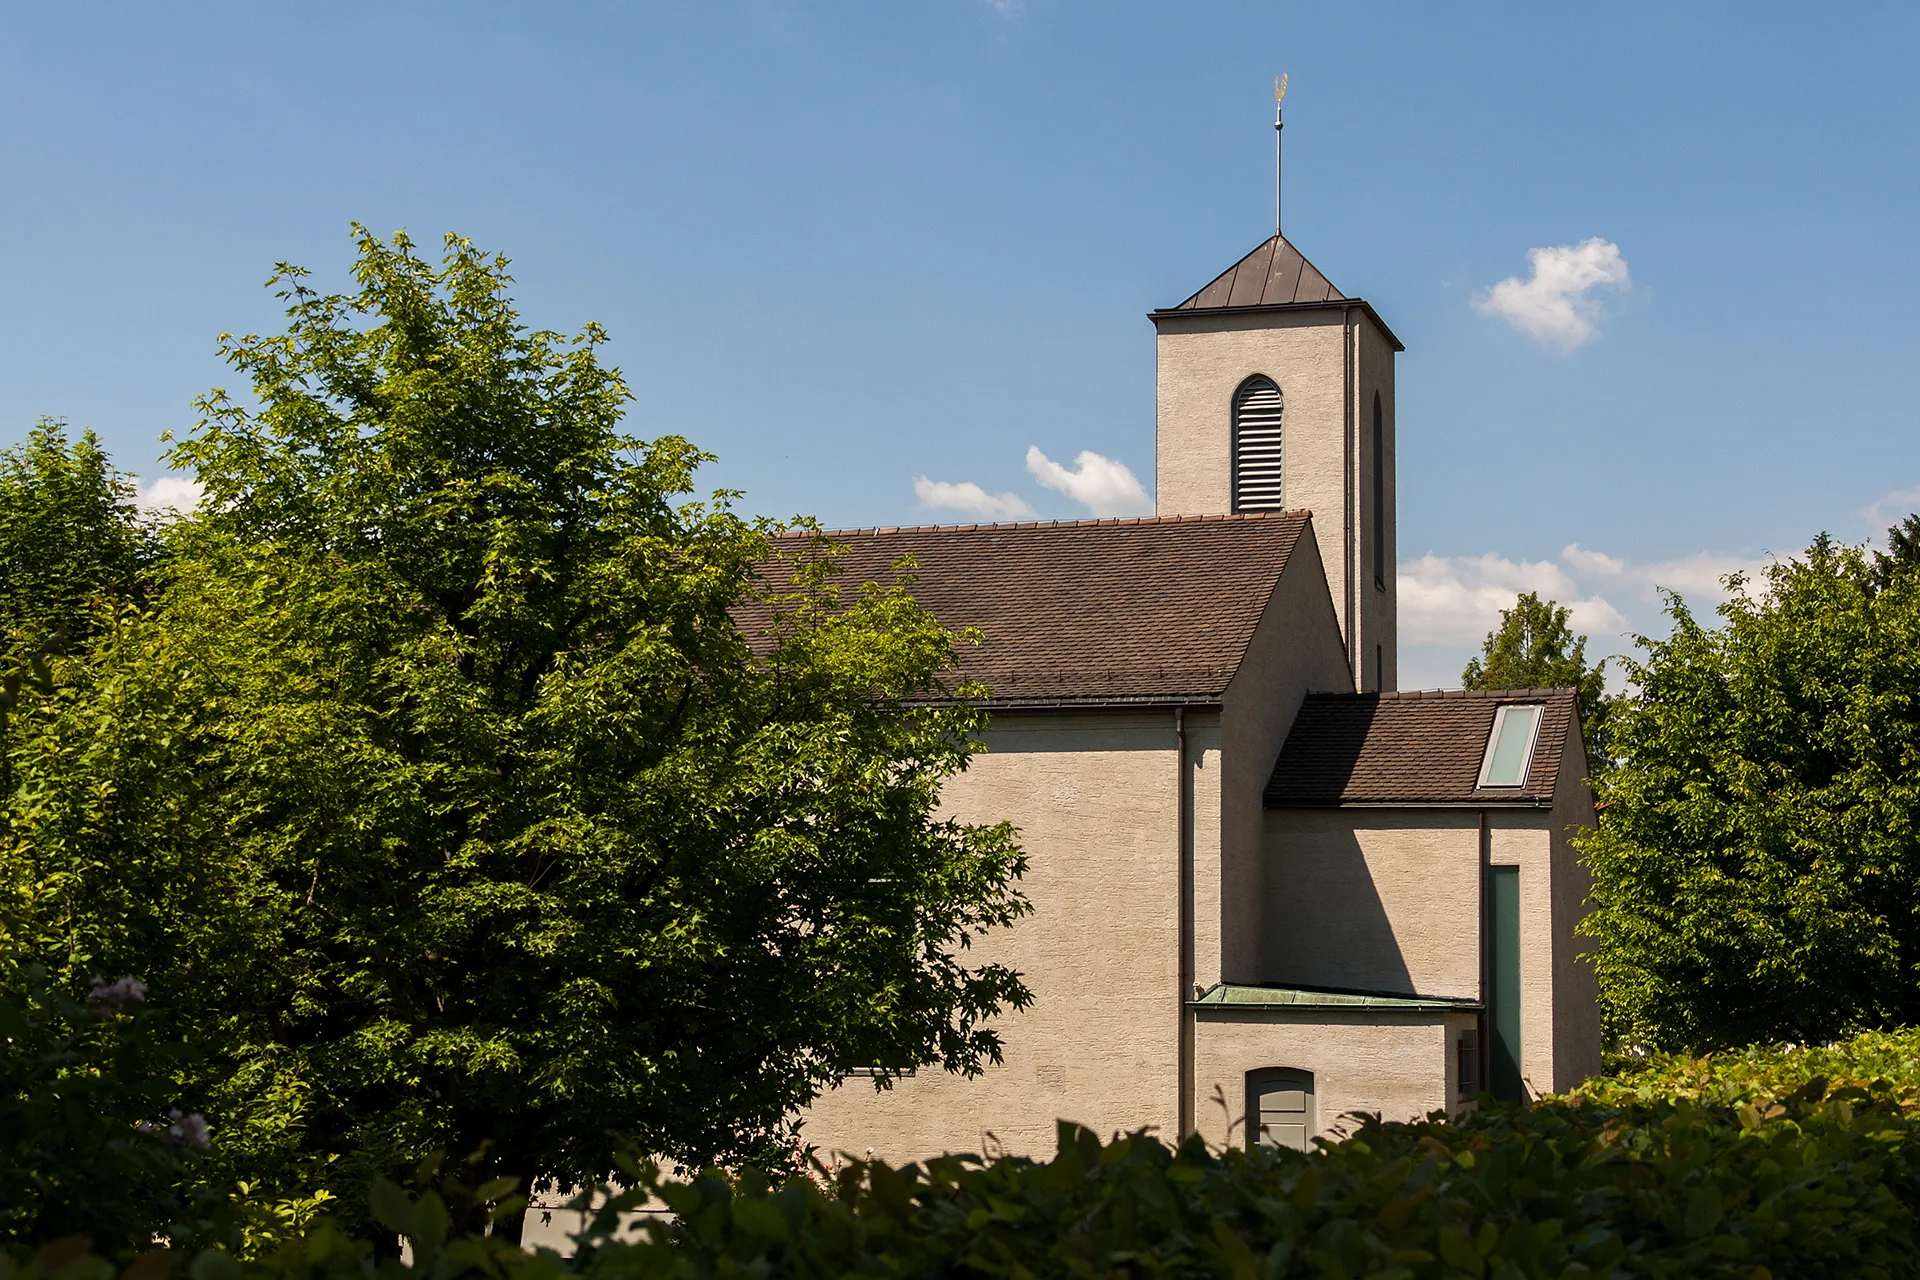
(1535,648)
(69,533)
(1757,867)
(450,804)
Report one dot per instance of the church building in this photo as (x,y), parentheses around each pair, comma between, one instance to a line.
(1269,888)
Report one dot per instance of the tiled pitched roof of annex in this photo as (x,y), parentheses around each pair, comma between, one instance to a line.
(1274,274)
(1411,748)
(1092,610)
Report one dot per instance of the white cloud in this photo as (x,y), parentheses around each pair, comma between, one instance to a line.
(1101,485)
(1890,509)
(939,495)
(1006,8)
(1700,574)
(1555,304)
(1459,598)
(169,495)
(1448,604)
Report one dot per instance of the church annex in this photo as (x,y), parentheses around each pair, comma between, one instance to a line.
(1268,888)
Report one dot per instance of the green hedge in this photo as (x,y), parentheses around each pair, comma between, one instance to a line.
(1885,1060)
(1816,1183)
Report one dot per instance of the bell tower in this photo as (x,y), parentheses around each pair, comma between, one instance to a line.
(1276,394)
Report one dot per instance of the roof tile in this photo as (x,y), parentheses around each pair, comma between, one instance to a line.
(1091,610)
(1411,748)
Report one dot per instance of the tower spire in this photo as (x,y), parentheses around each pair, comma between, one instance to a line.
(1279,97)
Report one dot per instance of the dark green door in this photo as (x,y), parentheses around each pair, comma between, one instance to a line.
(1503,987)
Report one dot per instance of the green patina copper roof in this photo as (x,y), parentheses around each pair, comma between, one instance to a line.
(1226,995)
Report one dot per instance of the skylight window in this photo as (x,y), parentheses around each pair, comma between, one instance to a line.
(1510,749)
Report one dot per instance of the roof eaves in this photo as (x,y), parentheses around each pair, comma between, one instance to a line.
(1332,304)
(1489,802)
(1222,995)
(1094,702)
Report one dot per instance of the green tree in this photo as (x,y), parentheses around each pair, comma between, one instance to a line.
(1535,648)
(1757,866)
(69,533)
(494,825)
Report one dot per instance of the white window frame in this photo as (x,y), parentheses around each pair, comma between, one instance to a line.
(1493,740)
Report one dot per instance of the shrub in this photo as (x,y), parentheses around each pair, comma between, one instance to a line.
(1816,1184)
(1756,1164)
(1889,1060)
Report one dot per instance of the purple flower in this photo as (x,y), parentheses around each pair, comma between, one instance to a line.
(188,1130)
(105,997)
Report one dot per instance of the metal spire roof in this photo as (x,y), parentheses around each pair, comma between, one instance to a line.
(1274,274)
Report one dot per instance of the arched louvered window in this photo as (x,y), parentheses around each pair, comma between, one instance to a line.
(1258,455)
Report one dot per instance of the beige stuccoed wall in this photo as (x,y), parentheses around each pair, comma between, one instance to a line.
(1295,651)
(1378,604)
(1093,796)
(1559,1004)
(1203,359)
(1389,900)
(1374,900)
(1523,838)
(1576,988)
(1399,1065)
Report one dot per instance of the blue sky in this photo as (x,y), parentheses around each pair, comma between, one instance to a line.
(845,245)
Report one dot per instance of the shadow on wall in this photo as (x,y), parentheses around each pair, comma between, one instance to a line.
(1332,929)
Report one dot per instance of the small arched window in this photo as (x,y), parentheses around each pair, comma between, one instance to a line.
(1258,453)
(1280,1108)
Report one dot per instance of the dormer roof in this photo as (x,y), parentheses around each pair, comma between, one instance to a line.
(1414,749)
(1275,274)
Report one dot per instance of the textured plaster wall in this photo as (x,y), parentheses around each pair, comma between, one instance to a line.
(1379,605)
(1524,838)
(1576,989)
(1203,359)
(1093,796)
(1295,651)
(1202,362)
(1212,893)
(1401,1066)
(1374,900)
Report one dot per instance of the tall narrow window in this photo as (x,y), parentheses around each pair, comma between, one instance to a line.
(1258,456)
(1280,1108)
(1379,495)
(1466,1075)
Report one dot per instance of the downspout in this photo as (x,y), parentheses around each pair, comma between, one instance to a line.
(1485,1055)
(1183,865)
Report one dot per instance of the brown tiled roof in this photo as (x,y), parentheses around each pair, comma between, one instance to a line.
(1274,274)
(1092,610)
(1411,748)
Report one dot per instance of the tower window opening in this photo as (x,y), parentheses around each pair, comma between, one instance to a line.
(1258,447)
(1379,496)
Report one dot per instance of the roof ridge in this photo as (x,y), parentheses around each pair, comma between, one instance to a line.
(1097,522)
